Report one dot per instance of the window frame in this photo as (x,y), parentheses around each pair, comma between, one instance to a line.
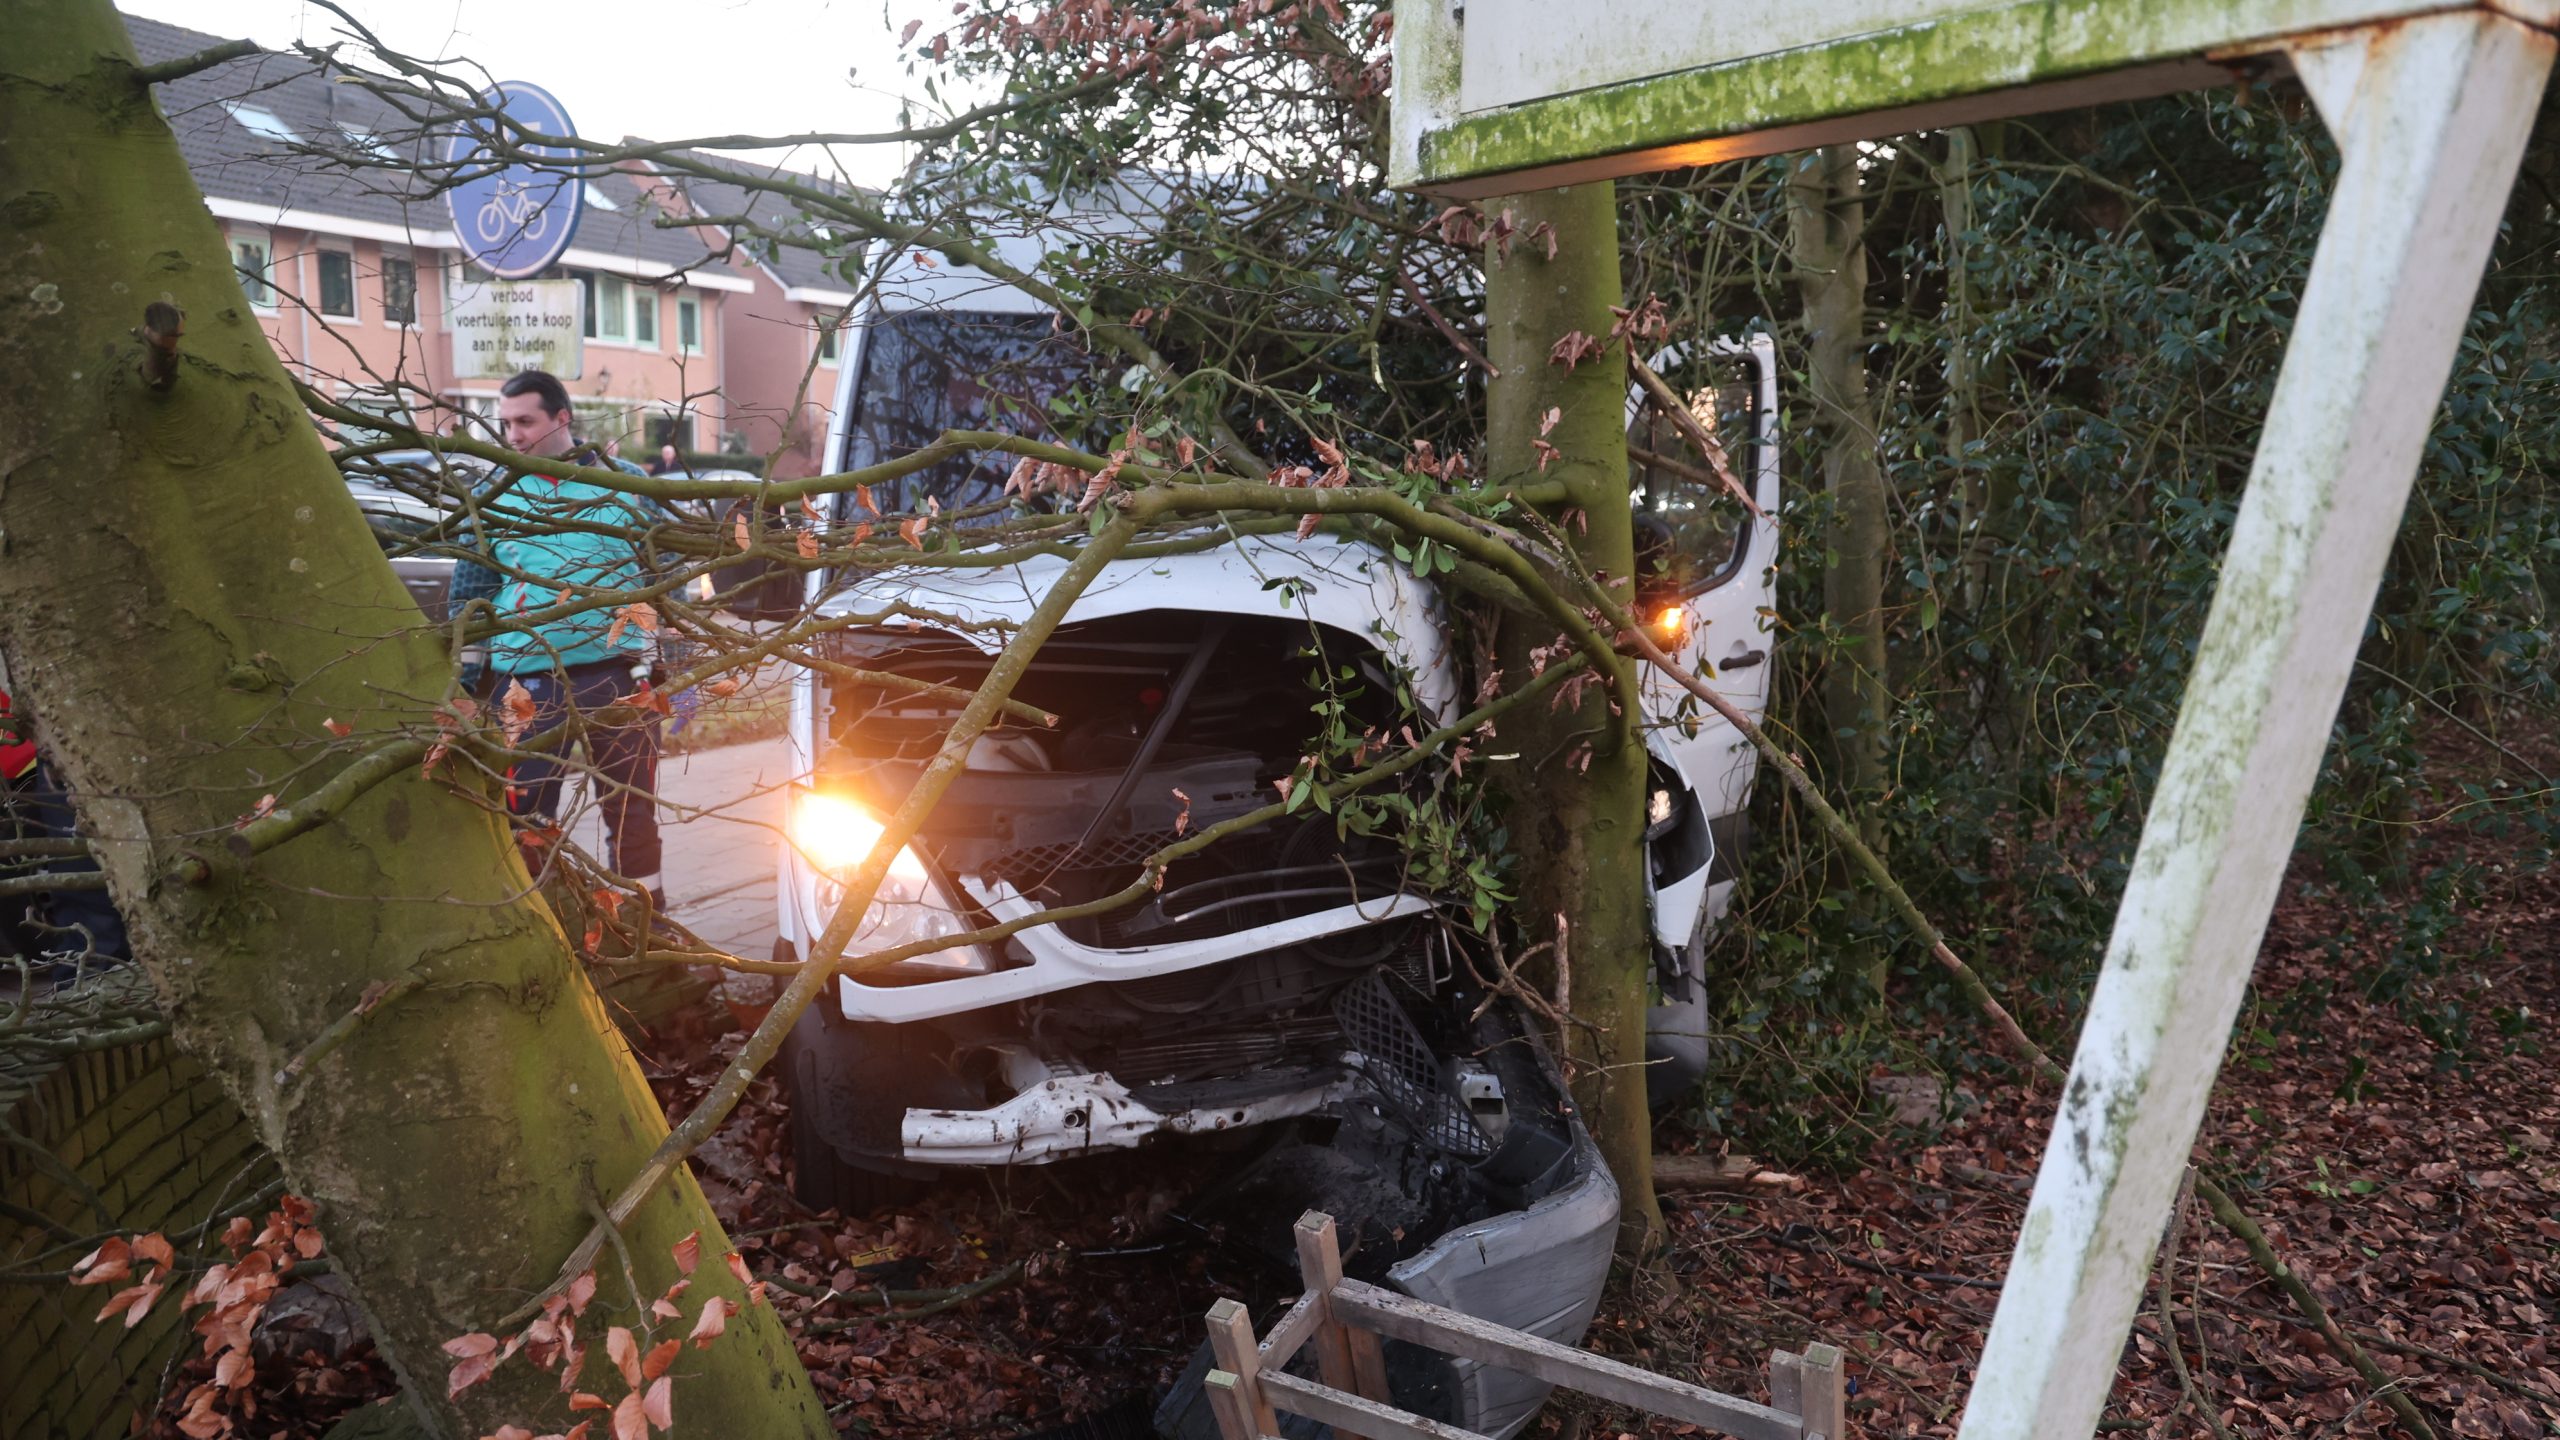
(395,255)
(265,240)
(689,308)
(321,256)
(613,302)
(644,303)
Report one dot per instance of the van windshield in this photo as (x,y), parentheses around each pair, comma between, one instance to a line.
(927,371)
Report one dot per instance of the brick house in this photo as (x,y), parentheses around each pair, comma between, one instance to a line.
(785,336)
(687,338)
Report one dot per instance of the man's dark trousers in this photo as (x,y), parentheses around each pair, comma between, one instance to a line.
(624,759)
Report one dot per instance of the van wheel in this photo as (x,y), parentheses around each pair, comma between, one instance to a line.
(850,1087)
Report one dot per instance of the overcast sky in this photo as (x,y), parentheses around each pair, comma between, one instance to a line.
(641,67)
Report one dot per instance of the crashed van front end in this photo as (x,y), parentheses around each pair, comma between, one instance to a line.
(1288,987)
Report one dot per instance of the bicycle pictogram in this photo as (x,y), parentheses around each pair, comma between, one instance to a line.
(514,205)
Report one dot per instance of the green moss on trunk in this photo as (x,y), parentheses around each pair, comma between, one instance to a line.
(162,543)
(1826,216)
(1577,791)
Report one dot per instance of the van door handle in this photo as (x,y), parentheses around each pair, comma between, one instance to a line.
(1744,661)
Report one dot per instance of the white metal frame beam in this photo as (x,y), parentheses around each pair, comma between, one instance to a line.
(2431,116)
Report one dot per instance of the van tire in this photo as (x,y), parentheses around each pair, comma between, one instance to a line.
(849,1087)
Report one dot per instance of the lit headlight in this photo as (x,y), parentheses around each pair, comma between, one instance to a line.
(834,834)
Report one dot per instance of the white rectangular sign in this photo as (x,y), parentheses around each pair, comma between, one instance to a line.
(1497,97)
(500,327)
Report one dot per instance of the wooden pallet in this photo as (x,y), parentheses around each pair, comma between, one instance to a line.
(1249,1390)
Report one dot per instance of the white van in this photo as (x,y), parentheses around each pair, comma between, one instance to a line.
(1285,993)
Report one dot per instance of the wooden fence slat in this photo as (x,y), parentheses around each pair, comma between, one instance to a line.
(1786,1381)
(1348,1358)
(1281,1346)
(1348,1413)
(1826,1401)
(1228,1406)
(1400,1317)
(1231,1341)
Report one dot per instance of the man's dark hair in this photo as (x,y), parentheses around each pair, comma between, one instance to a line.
(541,384)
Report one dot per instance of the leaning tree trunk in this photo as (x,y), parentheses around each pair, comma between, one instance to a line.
(1577,790)
(193,607)
(1826,216)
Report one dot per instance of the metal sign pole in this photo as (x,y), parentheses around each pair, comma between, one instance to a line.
(2431,116)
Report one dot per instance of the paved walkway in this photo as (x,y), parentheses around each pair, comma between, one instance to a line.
(721,814)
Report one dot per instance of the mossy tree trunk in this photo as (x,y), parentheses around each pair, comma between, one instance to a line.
(1577,789)
(1826,213)
(191,604)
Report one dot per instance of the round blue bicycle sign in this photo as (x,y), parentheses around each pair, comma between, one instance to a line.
(514,218)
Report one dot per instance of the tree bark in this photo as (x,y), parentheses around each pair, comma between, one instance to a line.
(1577,789)
(1826,212)
(191,605)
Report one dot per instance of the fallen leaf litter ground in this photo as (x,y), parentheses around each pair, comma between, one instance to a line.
(2419,1199)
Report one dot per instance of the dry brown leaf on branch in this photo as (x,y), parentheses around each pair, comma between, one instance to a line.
(624,1352)
(1644,321)
(1025,474)
(110,1262)
(1101,482)
(475,1355)
(516,711)
(133,1302)
(337,727)
(1461,225)
(687,1253)
(629,1422)
(660,1356)
(713,1320)
(660,1403)
(808,544)
(724,687)
(1576,347)
(912,530)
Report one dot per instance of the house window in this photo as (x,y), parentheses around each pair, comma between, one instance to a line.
(254,258)
(338,284)
(586,301)
(689,325)
(676,430)
(828,344)
(613,308)
(644,317)
(261,122)
(399,290)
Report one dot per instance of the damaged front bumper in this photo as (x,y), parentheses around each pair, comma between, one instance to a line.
(1069,1115)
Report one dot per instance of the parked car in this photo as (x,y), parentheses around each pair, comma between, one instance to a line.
(406,496)
(1286,991)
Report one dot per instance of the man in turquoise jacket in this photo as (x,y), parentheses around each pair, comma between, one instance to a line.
(546,539)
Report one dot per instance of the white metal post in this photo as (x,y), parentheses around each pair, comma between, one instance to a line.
(2431,116)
